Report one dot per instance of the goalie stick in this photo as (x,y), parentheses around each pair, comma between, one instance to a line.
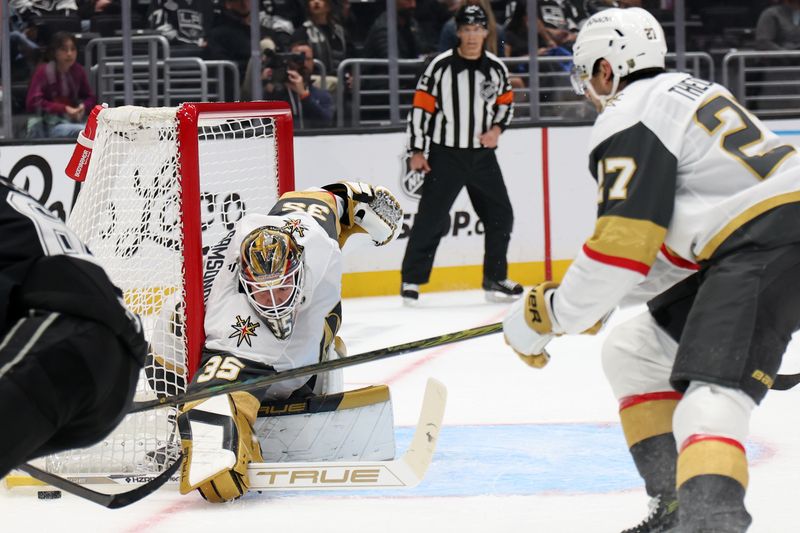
(366,357)
(404,472)
(111,501)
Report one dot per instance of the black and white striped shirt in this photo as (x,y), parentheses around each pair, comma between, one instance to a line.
(459,99)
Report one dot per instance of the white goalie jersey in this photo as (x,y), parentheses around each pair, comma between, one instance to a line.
(231,323)
(681,168)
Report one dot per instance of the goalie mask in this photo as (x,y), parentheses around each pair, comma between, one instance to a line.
(271,271)
(629,39)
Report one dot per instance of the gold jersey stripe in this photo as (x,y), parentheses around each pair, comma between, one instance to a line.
(363,397)
(647,419)
(744,217)
(712,457)
(627,238)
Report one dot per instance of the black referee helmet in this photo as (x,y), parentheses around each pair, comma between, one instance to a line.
(471,15)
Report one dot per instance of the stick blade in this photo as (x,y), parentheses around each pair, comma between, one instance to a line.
(110,501)
(419,455)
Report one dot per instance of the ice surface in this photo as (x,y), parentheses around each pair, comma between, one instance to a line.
(522,449)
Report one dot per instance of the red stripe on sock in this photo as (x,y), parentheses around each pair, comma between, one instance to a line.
(629,401)
(694,439)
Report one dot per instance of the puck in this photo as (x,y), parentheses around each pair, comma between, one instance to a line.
(49,494)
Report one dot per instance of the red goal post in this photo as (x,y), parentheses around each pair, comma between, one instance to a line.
(189,116)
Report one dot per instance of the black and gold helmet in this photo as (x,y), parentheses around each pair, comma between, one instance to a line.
(271,271)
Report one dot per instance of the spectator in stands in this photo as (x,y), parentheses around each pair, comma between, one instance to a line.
(411,44)
(327,38)
(25,52)
(59,93)
(291,10)
(516,34)
(289,79)
(229,38)
(495,40)
(432,16)
(278,28)
(89,8)
(29,9)
(355,29)
(778,27)
(185,24)
(562,21)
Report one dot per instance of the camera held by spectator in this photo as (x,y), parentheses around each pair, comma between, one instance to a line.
(287,76)
(277,66)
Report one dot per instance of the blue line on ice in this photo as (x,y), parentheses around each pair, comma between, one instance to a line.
(525,459)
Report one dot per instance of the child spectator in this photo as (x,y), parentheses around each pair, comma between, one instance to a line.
(59,92)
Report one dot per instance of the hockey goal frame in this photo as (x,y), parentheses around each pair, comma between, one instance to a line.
(188,116)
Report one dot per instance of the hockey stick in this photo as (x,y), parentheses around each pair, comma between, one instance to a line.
(404,472)
(366,357)
(111,501)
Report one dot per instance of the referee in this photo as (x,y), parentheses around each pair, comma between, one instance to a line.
(462,104)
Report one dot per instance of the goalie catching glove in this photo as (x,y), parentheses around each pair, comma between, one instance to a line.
(218,443)
(367,209)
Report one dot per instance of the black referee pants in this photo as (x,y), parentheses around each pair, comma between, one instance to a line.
(451,170)
(65,383)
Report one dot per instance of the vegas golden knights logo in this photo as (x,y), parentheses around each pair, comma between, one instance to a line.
(243,329)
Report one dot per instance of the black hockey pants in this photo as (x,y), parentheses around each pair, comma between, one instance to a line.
(451,170)
(65,383)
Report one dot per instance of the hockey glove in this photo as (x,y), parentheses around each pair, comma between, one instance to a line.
(528,327)
(368,209)
(218,443)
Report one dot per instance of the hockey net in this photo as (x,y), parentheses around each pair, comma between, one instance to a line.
(163,186)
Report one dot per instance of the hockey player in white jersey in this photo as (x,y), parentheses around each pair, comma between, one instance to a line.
(273,303)
(683,168)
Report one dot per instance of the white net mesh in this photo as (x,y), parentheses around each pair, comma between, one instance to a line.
(129,214)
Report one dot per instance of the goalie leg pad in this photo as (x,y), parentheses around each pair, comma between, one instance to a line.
(218,444)
(350,426)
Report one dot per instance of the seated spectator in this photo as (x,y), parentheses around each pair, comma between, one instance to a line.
(516,34)
(289,79)
(25,52)
(778,27)
(291,10)
(230,36)
(411,44)
(184,23)
(59,93)
(29,9)
(39,20)
(494,41)
(432,16)
(561,20)
(89,8)
(274,26)
(355,30)
(326,37)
